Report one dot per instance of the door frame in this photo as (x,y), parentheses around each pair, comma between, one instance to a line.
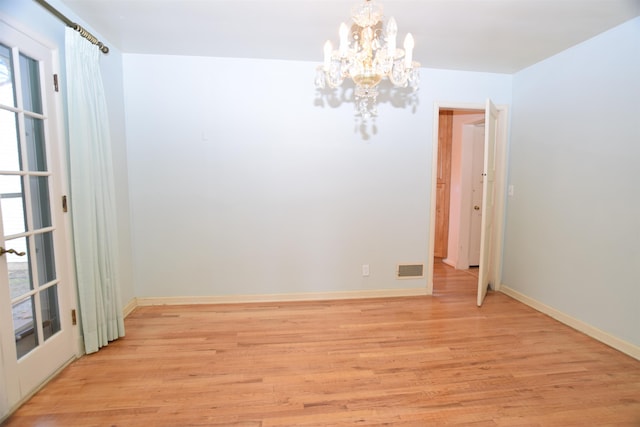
(500,183)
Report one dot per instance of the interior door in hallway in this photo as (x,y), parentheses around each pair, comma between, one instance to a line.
(477,181)
(443,184)
(488,201)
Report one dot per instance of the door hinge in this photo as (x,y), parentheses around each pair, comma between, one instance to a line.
(55,83)
(65,208)
(74,319)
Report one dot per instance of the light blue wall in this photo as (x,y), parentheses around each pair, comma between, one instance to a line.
(241,183)
(39,23)
(573,224)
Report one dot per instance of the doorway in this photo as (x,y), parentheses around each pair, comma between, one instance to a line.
(465,122)
(459,188)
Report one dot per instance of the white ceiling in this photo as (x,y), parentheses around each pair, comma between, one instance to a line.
(501,36)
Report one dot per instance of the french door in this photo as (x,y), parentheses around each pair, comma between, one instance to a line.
(36,336)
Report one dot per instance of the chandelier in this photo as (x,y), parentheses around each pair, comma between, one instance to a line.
(367,54)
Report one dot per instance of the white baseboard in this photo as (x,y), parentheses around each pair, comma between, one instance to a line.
(449,262)
(604,337)
(131,305)
(314,296)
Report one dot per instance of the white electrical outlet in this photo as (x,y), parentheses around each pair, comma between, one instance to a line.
(365,270)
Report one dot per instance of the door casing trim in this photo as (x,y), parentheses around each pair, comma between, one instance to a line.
(500,182)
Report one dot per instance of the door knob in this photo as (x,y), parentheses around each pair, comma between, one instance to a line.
(476,208)
(11,251)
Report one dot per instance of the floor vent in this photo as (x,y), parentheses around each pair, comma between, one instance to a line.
(410,271)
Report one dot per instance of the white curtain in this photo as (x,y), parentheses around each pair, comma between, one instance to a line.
(92,196)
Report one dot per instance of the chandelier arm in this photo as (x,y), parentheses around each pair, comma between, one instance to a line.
(398,75)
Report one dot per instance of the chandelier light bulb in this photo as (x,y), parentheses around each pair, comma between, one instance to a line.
(392,33)
(328,48)
(408,50)
(344,39)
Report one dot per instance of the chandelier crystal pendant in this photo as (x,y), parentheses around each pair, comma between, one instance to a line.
(367,54)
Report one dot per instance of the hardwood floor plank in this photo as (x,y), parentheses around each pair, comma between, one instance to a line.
(415,361)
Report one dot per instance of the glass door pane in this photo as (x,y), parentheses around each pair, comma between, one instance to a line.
(9,150)
(6,82)
(34,134)
(12,204)
(23,327)
(20,282)
(30,82)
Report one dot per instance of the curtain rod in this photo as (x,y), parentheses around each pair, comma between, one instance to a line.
(84,33)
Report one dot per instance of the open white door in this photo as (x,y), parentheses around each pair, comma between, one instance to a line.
(488,200)
(36,331)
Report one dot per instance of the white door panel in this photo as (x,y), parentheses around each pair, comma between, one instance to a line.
(488,201)
(477,180)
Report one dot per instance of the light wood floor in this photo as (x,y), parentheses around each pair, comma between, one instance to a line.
(418,361)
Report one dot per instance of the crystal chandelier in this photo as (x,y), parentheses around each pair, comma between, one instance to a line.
(367,54)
